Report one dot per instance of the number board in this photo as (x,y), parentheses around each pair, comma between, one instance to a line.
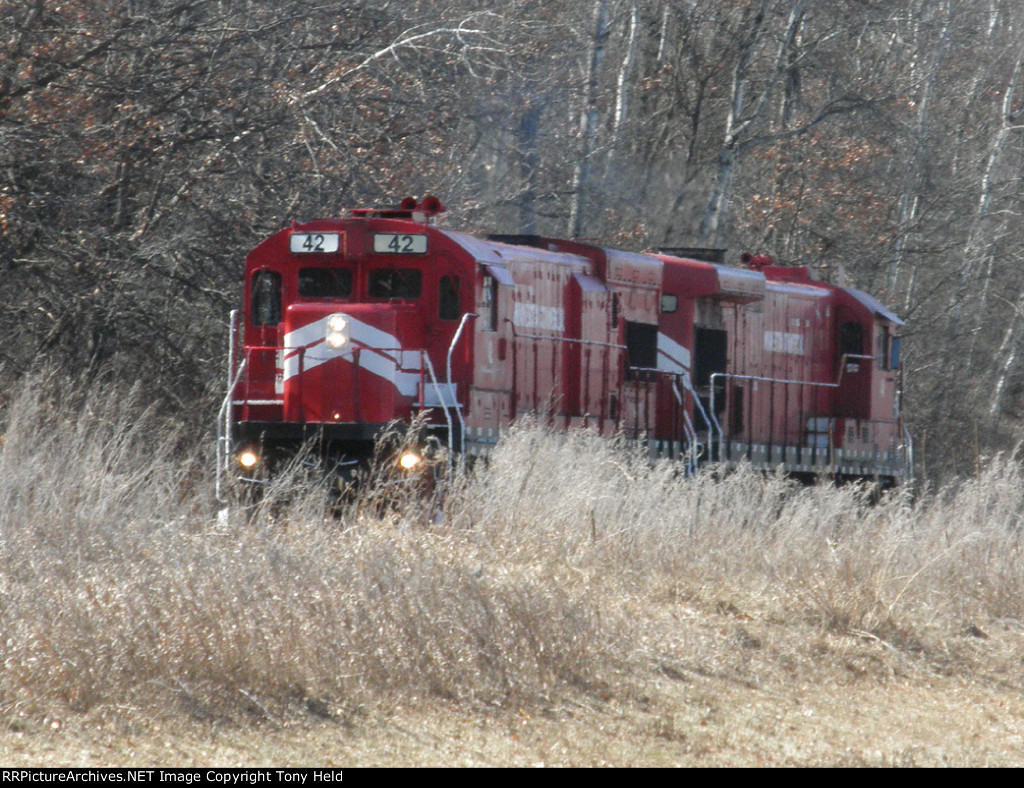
(321,243)
(396,243)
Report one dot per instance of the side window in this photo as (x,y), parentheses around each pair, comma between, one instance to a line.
(489,304)
(851,339)
(448,298)
(894,356)
(266,298)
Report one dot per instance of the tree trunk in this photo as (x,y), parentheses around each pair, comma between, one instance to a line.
(909,200)
(588,120)
(739,122)
(979,249)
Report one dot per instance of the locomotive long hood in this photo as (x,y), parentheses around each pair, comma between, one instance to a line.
(700,279)
(873,304)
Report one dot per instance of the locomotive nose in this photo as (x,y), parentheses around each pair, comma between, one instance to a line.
(360,364)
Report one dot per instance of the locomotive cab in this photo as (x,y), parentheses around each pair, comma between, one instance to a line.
(868,427)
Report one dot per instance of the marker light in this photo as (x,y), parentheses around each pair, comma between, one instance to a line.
(248,459)
(409,460)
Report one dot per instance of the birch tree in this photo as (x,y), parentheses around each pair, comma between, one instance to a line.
(588,123)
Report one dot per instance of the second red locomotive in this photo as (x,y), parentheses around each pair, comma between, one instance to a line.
(352,324)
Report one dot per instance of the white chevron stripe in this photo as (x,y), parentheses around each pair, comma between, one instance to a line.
(380,353)
(672,357)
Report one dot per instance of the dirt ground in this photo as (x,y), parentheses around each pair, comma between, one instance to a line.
(722,692)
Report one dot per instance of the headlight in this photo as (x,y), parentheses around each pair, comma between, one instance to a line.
(248,459)
(336,341)
(337,331)
(409,460)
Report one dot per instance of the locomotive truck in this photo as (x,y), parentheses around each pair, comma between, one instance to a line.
(351,325)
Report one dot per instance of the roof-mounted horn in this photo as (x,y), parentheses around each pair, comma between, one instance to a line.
(409,208)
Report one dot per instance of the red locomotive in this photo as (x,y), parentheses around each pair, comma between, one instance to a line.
(352,324)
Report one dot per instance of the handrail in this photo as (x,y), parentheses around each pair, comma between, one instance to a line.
(455,340)
(688,428)
(733,376)
(712,420)
(688,386)
(444,405)
(223,453)
(691,433)
(232,343)
(458,411)
(570,340)
(908,446)
(908,454)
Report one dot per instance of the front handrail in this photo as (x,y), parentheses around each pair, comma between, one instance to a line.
(444,404)
(710,420)
(223,452)
(458,410)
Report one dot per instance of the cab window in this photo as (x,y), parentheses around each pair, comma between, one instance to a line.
(851,339)
(882,349)
(325,283)
(404,283)
(266,298)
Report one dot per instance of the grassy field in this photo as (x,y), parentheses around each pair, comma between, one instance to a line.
(573,605)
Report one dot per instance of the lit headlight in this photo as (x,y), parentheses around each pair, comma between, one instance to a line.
(409,460)
(337,331)
(336,341)
(248,459)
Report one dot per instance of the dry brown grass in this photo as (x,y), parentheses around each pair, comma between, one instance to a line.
(117,592)
(572,574)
